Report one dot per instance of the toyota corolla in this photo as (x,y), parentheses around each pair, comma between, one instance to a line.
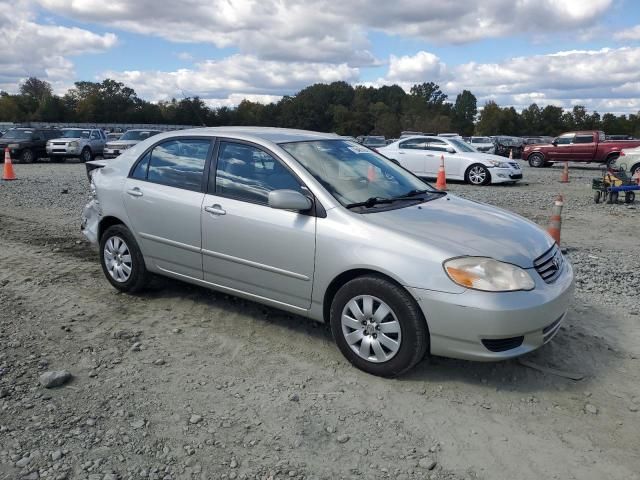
(323,227)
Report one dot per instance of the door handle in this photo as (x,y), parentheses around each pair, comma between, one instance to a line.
(135,192)
(215,210)
(430,155)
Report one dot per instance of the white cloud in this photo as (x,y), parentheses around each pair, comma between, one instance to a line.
(223,79)
(632,33)
(601,79)
(32,49)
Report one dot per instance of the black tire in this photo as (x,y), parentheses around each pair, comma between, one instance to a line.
(635,169)
(477,174)
(629,197)
(536,160)
(596,196)
(613,197)
(414,333)
(27,156)
(611,160)
(139,276)
(86,155)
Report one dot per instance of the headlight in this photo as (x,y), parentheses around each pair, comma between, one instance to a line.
(74,144)
(487,274)
(499,164)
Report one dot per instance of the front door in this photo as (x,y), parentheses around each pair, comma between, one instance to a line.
(562,148)
(163,198)
(247,245)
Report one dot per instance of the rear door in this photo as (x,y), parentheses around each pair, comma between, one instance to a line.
(163,198)
(436,148)
(583,147)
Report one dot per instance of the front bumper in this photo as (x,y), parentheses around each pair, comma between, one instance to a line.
(458,323)
(505,175)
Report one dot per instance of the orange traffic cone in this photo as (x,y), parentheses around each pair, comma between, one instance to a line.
(565,173)
(441,182)
(371,173)
(555,222)
(8,173)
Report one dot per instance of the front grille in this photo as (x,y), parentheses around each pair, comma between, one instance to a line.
(514,165)
(59,143)
(502,344)
(549,264)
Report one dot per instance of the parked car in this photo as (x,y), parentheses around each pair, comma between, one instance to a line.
(82,143)
(325,228)
(629,159)
(113,136)
(483,144)
(126,141)
(26,145)
(408,133)
(584,146)
(506,145)
(374,141)
(421,155)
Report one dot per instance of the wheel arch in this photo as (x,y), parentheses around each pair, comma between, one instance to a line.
(347,276)
(107,222)
(466,172)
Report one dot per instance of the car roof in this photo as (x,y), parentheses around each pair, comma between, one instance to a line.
(270,134)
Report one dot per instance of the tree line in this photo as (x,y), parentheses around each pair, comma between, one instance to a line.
(336,107)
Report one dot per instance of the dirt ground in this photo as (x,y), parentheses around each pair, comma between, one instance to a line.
(180,382)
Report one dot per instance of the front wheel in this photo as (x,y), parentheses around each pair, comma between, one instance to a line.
(378,326)
(536,160)
(122,261)
(86,155)
(477,175)
(27,156)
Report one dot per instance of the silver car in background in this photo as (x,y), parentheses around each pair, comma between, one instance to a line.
(326,228)
(113,148)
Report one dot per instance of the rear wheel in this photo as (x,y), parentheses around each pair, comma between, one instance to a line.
(629,197)
(613,197)
(597,196)
(536,160)
(378,326)
(122,261)
(611,160)
(477,174)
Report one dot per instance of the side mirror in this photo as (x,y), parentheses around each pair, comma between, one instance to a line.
(289,200)
(451,150)
(555,142)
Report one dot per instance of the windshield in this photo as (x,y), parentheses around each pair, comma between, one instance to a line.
(138,134)
(461,146)
(353,173)
(75,133)
(374,142)
(481,140)
(19,134)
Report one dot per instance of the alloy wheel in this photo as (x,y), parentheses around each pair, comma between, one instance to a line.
(477,175)
(117,259)
(371,328)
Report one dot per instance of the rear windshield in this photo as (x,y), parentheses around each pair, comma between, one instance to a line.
(75,133)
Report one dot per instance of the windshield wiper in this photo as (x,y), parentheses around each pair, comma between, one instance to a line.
(413,193)
(370,202)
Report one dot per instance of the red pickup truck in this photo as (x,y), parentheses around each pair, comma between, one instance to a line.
(589,146)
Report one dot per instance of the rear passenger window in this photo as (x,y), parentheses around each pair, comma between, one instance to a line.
(248,173)
(583,139)
(179,163)
(140,172)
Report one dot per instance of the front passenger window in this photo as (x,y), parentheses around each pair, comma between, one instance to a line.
(247,173)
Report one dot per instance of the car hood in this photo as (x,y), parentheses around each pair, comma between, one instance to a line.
(481,157)
(460,227)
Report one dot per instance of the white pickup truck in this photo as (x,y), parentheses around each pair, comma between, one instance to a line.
(83,143)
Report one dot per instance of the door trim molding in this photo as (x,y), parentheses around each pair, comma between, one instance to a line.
(251,263)
(172,243)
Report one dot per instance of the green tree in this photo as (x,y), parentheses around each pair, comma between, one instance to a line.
(464,112)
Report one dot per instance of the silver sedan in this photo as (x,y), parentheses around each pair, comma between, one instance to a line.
(323,227)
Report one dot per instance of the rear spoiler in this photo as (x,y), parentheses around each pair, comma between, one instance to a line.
(94,164)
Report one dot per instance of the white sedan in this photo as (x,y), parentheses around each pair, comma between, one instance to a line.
(421,155)
(630,159)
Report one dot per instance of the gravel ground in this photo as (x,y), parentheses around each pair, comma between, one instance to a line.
(183,383)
